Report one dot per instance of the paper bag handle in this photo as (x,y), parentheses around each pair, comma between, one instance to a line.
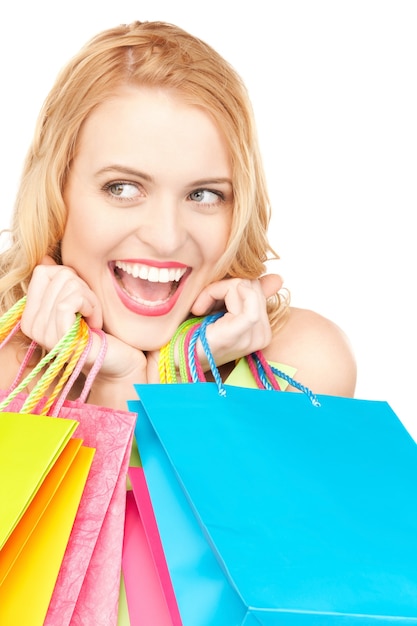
(65,360)
(184,342)
(77,370)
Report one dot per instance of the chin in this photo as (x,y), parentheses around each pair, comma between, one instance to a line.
(146,334)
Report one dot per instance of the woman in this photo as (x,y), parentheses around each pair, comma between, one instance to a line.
(142,202)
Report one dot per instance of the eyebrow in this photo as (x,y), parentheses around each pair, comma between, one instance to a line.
(123,169)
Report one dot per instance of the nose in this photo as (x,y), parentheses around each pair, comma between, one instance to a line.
(161,226)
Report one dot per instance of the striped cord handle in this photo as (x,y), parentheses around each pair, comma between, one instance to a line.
(59,363)
(183,346)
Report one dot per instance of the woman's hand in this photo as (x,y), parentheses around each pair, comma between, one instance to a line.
(245,326)
(55,295)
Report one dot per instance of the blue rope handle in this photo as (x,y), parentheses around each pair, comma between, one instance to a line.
(284,376)
(294,383)
(192,354)
(203,338)
(200,333)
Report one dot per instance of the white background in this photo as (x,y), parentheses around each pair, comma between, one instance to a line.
(333,86)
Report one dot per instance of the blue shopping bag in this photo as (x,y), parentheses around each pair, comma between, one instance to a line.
(276,512)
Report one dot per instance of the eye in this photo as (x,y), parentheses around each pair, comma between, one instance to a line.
(206,196)
(123,190)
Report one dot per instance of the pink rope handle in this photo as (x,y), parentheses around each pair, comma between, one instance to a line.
(10,325)
(23,365)
(97,365)
(56,409)
(11,333)
(187,365)
(268,370)
(27,357)
(57,406)
(59,363)
(196,362)
(254,371)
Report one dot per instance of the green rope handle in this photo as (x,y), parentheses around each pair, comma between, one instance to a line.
(67,360)
(167,367)
(10,318)
(73,341)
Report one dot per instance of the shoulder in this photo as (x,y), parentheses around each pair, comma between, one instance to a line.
(318,349)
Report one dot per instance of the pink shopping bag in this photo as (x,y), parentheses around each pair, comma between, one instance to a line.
(150,595)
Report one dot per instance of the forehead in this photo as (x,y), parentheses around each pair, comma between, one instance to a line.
(143,119)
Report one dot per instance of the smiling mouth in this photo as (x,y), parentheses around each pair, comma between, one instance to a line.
(146,284)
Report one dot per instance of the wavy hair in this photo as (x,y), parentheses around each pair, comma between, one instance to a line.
(148,54)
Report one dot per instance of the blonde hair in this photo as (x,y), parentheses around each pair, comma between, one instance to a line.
(151,54)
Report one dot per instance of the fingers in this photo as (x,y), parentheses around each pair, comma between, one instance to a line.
(55,295)
(213,297)
(207,302)
(245,327)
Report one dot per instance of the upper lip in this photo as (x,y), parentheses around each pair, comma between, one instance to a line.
(152,273)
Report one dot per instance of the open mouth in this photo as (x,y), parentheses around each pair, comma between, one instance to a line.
(148,285)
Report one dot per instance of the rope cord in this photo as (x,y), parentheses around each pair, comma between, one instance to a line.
(185,340)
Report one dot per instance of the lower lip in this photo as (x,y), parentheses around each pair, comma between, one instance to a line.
(149,310)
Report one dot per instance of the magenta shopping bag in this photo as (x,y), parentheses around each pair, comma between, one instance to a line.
(149,591)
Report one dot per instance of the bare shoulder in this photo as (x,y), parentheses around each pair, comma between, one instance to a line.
(318,349)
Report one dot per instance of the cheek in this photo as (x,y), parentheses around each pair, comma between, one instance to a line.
(73,240)
(85,233)
(222,256)
(215,237)
(80,242)
(82,224)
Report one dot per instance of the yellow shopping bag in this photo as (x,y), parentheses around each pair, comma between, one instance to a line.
(29,446)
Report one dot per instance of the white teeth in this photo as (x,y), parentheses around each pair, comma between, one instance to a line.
(141,271)
(164,275)
(151,273)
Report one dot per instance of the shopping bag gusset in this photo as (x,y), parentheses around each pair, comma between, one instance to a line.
(149,591)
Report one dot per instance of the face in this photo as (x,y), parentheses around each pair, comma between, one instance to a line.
(149,199)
